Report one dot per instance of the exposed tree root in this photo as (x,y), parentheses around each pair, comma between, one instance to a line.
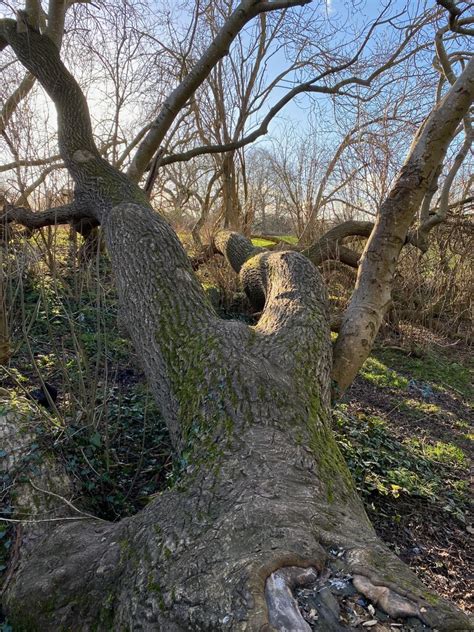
(283,611)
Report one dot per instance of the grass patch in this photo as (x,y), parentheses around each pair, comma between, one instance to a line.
(378,374)
(384,466)
(260,242)
(433,368)
(440,452)
(418,409)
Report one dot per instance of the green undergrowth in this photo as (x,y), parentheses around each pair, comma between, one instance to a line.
(383,465)
(405,431)
(397,369)
(107,429)
(112,440)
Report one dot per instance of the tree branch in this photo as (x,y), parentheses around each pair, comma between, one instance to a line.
(51,217)
(29,163)
(329,247)
(455,24)
(218,49)
(99,186)
(372,295)
(54,30)
(280,4)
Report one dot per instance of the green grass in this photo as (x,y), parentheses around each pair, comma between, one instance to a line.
(259,242)
(379,374)
(385,466)
(266,243)
(433,368)
(383,458)
(439,452)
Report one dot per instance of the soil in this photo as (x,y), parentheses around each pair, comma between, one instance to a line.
(436,545)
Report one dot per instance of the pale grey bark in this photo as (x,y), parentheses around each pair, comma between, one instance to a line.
(372,294)
(263,484)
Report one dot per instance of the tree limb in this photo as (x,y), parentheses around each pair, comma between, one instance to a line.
(50,217)
(372,295)
(455,24)
(54,30)
(329,247)
(99,186)
(219,48)
(35,162)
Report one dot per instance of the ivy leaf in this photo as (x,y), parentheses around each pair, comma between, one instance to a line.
(96,440)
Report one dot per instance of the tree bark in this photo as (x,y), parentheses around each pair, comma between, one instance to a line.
(4,330)
(372,294)
(262,486)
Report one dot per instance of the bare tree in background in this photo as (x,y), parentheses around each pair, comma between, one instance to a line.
(265,498)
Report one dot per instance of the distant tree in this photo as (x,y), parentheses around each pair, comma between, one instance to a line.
(265,497)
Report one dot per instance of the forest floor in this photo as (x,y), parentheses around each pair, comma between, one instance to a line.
(404,426)
(406,431)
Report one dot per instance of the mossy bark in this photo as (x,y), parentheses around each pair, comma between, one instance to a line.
(263,485)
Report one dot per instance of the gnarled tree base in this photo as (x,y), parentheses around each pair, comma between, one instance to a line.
(219,553)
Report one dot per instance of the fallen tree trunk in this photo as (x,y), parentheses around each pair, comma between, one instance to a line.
(263,488)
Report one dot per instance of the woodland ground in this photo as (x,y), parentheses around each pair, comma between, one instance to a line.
(404,426)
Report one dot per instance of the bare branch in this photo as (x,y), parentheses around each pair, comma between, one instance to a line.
(280,4)
(55,28)
(51,217)
(218,49)
(442,210)
(455,24)
(36,183)
(38,162)
(372,295)
(329,247)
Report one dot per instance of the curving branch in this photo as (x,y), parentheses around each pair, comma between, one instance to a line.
(286,287)
(439,215)
(236,248)
(372,295)
(13,101)
(329,246)
(98,184)
(51,217)
(430,218)
(219,48)
(456,24)
(55,29)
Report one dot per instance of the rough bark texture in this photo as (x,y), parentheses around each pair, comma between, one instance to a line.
(329,246)
(4,334)
(263,485)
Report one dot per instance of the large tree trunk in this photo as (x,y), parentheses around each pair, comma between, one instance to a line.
(263,485)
